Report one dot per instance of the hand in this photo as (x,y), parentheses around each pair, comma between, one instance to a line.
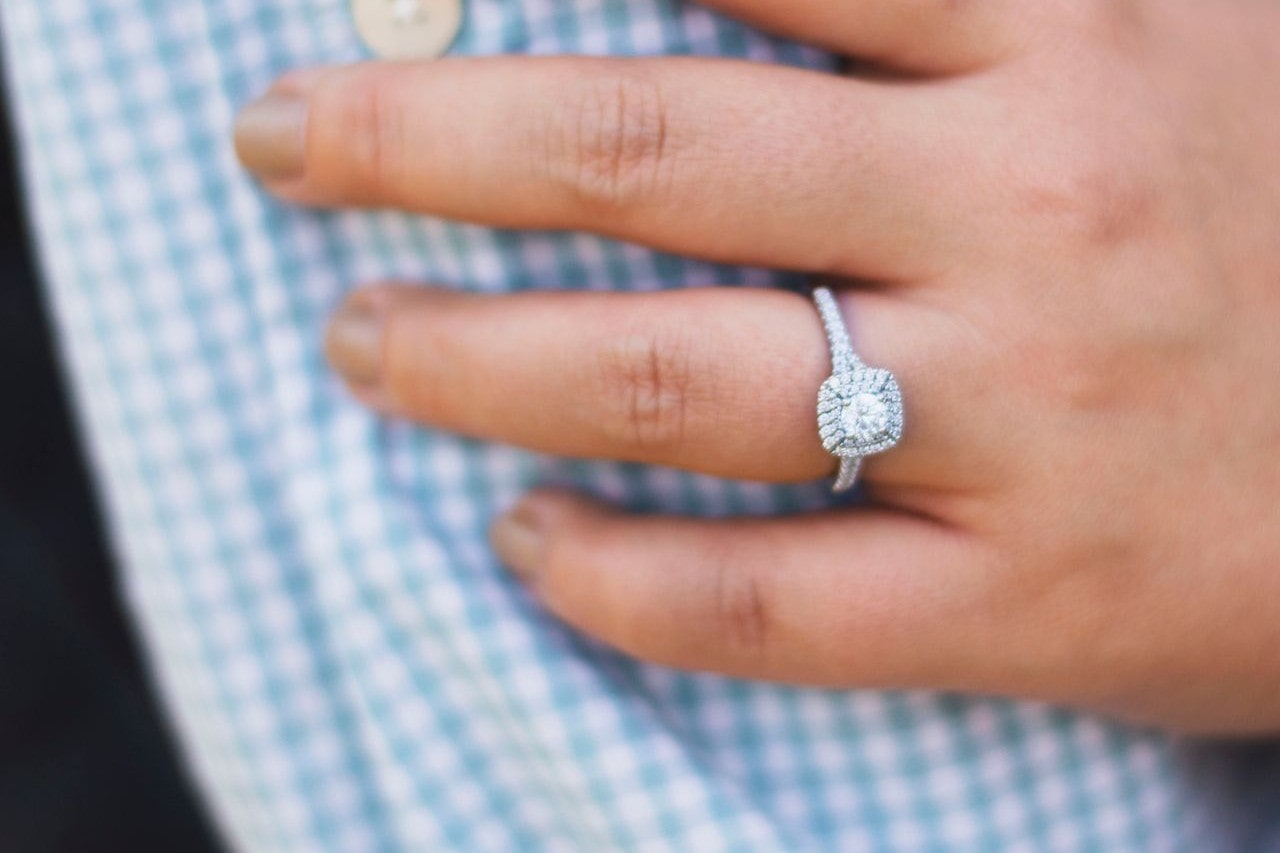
(1058,226)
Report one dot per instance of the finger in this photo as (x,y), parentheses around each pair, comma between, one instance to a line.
(927,36)
(716,380)
(868,599)
(730,161)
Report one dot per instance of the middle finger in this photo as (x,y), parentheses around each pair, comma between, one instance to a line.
(729,161)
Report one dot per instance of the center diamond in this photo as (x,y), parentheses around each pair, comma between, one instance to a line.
(866,418)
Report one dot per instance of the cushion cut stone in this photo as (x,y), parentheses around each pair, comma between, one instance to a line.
(866,418)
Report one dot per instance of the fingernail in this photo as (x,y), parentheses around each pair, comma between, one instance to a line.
(270,136)
(353,343)
(518,538)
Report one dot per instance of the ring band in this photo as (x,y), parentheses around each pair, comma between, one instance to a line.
(859,407)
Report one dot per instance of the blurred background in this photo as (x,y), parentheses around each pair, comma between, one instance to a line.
(86,763)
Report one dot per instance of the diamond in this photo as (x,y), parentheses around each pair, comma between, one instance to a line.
(866,418)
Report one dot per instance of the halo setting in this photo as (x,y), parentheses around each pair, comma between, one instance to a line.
(859,407)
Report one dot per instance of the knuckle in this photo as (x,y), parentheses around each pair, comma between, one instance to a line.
(949,12)
(369,113)
(1119,23)
(1087,386)
(609,145)
(951,9)
(1070,377)
(742,619)
(647,375)
(1093,199)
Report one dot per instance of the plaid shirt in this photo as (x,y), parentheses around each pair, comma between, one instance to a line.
(346,666)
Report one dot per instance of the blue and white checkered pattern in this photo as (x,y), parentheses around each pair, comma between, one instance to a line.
(347,667)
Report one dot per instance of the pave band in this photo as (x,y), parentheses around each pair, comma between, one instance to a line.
(859,407)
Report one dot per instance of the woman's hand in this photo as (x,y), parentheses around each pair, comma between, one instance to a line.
(1060,227)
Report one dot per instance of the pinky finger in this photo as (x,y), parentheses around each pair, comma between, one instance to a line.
(870,598)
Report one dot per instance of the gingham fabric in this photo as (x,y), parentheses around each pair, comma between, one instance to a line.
(346,666)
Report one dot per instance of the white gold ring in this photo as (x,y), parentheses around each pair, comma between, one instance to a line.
(859,407)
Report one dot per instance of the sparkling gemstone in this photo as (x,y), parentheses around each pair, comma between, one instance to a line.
(866,418)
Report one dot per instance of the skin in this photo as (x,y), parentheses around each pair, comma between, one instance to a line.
(1058,227)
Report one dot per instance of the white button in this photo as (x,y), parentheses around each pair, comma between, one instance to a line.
(407,29)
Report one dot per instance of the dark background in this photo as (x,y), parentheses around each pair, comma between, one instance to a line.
(86,764)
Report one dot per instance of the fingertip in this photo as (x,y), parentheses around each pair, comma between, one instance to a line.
(355,343)
(270,136)
(270,133)
(519,539)
(558,507)
(521,536)
(353,340)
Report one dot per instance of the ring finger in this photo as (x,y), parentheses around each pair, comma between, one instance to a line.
(719,381)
